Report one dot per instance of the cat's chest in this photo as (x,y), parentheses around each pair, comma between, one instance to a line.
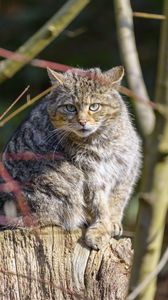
(101,168)
(102,175)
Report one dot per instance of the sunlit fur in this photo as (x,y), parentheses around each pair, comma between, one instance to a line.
(92,183)
(81,92)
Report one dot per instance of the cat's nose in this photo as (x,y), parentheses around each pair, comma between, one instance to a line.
(82,122)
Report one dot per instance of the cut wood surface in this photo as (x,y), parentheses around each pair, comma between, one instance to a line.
(55,264)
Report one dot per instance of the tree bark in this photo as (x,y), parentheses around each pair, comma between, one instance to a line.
(56,264)
(154,200)
(129,54)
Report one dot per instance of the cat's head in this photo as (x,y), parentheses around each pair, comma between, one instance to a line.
(87,101)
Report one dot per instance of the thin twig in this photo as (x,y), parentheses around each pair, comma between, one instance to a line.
(148,16)
(14,102)
(43,37)
(160,108)
(149,277)
(27,104)
(60,67)
(76,32)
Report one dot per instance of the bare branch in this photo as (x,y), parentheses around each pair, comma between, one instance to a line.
(148,16)
(156,106)
(13,103)
(40,63)
(130,58)
(27,104)
(154,201)
(149,277)
(43,37)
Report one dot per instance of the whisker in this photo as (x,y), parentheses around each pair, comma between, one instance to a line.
(61,139)
(52,133)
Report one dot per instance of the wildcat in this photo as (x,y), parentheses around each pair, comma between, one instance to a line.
(85,119)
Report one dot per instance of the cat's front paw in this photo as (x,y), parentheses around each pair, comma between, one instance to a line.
(116,229)
(96,237)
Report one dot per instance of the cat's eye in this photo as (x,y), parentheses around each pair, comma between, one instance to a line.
(70,107)
(94,106)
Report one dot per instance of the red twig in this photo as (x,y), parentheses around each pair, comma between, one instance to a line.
(11,185)
(124,90)
(28,155)
(35,62)
(60,67)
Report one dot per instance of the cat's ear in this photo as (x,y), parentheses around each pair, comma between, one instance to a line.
(115,75)
(55,76)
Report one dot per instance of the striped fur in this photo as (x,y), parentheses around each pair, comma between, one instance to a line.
(91,183)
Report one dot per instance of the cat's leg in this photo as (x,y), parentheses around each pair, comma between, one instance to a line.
(108,216)
(54,196)
(119,198)
(109,212)
(99,232)
(57,198)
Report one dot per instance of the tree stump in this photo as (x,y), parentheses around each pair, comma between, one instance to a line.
(55,264)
